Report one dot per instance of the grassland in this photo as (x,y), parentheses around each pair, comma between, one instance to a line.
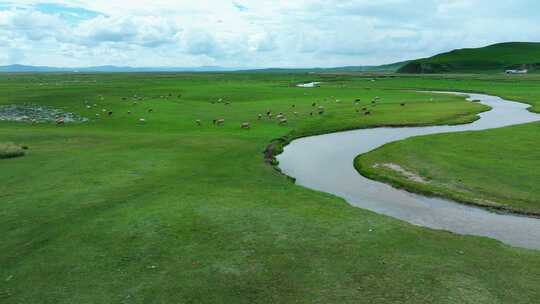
(492,168)
(115,211)
(489,168)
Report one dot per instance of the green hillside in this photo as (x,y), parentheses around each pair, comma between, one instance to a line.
(493,58)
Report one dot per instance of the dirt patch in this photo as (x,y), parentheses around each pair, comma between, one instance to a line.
(408,174)
(36,114)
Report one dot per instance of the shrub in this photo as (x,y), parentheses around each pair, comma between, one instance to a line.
(10,150)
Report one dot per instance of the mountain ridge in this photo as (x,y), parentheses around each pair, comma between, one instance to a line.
(18,68)
(14,68)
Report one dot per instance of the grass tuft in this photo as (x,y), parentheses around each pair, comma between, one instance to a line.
(10,150)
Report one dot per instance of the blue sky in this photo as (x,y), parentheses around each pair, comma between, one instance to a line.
(254,33)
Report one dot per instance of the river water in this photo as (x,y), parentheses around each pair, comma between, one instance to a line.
(325,163)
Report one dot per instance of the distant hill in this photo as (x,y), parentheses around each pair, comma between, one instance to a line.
(493,58)
(17,68)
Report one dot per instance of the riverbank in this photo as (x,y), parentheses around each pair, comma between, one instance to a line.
(491,169)
(325,163)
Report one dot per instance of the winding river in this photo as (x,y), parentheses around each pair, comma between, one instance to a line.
(325,163)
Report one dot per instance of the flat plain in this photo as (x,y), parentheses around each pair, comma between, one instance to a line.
(145,205)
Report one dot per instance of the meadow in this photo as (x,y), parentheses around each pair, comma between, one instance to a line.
(115,210)
(492,168)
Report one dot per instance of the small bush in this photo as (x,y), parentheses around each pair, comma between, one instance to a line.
(10,150)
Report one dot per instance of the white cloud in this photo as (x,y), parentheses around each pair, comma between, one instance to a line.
(254,32)
(262,42)
(147,31)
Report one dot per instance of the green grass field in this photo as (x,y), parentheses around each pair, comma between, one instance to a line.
(115,211)
(491,168)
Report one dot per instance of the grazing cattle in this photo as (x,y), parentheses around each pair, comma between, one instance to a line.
(293,106)
(364,109)
(198,122)
(150,110)
(283,121)
(259,116)
(88,107)
(270,116)
(97,115)
(104,110)
(134,103)
(357,100)
(295,113)
(321,110)
(311,113)
(402,104)
(313,104)
(110,113)
(367,113)
(60,121)
(280,116)
(245,125)
(220,121)
(142,120)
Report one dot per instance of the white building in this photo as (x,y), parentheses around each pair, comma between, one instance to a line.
(524,71)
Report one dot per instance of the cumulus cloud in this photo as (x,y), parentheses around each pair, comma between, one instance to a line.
(149,31)
(200,42)
(254,33)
